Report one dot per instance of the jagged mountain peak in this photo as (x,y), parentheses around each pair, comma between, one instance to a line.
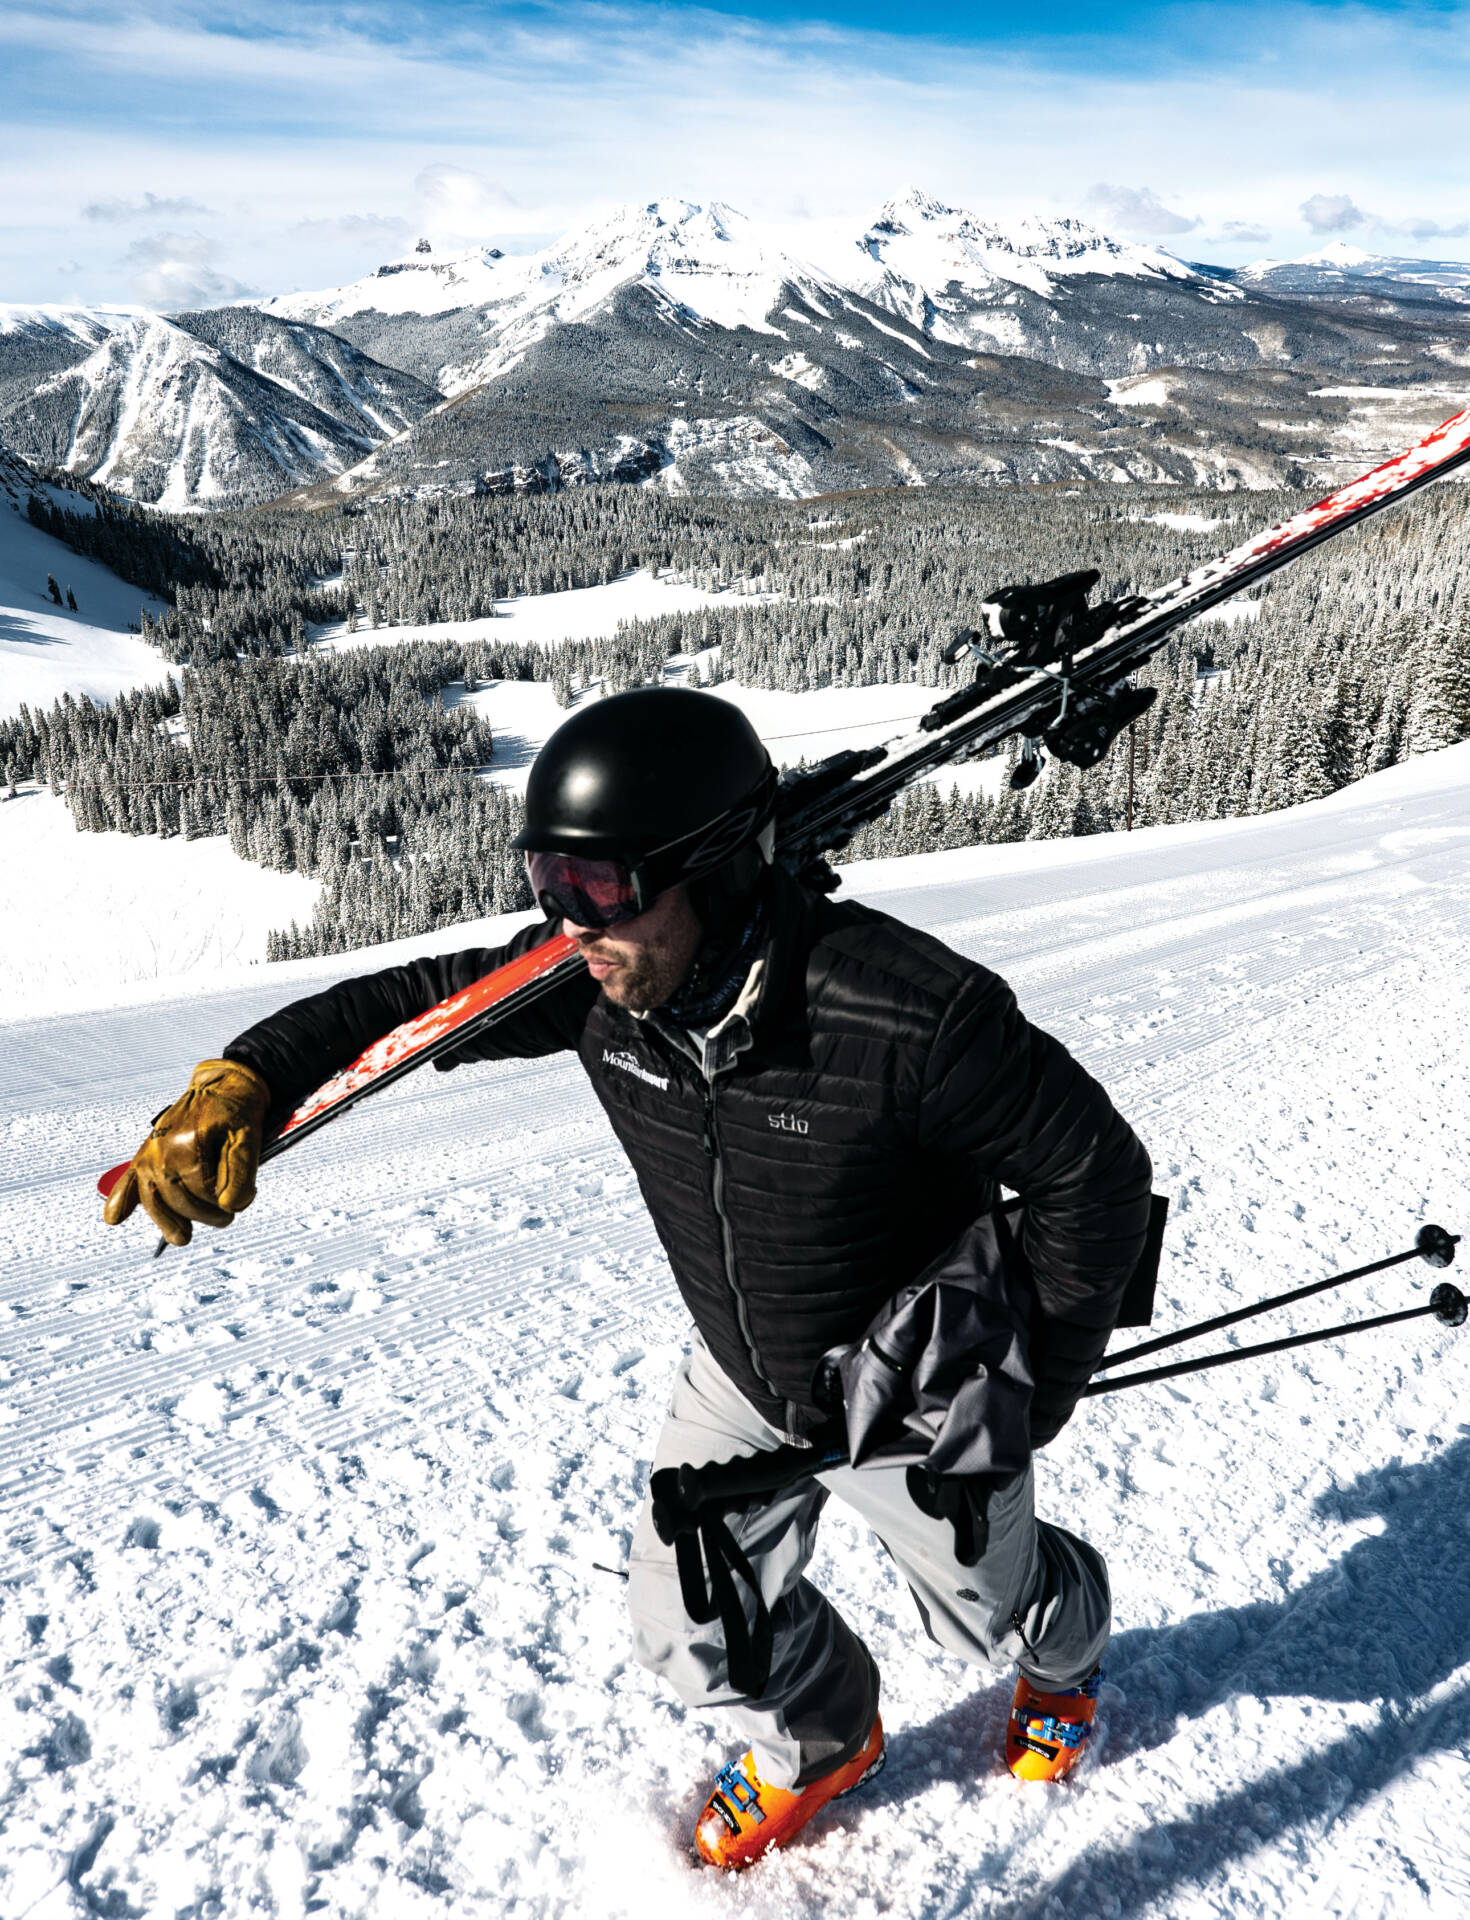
(1024,250)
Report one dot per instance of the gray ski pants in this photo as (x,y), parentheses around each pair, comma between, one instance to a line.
(823,1692)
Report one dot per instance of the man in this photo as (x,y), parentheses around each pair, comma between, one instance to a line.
(821,1106)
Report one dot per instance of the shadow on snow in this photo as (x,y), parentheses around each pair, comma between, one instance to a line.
(1383,1627)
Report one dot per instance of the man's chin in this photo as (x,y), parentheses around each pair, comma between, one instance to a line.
(632,995)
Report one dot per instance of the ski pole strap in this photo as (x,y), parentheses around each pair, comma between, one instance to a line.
(1446,1303)
(1431,1244)
(689,1505)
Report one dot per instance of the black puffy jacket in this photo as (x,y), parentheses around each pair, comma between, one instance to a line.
(890,1088)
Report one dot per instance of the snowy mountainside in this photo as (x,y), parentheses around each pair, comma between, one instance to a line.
(40,340)
(86,917)
(1342,267)
(956,276)
(48,650)
(306,1528)
(204,411)
(708,263)
(689,347)
(318,367)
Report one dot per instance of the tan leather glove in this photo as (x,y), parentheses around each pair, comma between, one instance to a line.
(199,1161)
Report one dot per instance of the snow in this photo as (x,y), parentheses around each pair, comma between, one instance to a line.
(426,284)
(543,619)
(84,914)
(925,260)
(84,324)
(1337,253)
(1183,522)
(305,1528)
(45,650)
(1134,392)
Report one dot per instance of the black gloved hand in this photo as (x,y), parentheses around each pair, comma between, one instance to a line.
(1064,1357)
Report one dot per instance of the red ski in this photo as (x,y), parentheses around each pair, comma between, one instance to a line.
(445,1026)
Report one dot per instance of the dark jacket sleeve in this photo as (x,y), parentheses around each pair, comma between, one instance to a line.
(1009,1103)
(308,1041)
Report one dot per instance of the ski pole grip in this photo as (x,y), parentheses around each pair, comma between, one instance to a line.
(1449,1304)
(1435,1245)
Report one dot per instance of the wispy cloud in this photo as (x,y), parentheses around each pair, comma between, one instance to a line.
(152,206)
(509,121)
(1244,233)
(1337,213)
(368,229)
(1419,228)
(172,271)
(1138,211)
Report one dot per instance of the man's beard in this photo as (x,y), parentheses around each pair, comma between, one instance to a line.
(646,980)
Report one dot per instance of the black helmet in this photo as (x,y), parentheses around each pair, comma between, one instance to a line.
(663,783)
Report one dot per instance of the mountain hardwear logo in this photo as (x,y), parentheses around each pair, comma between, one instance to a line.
(787,1123)
(630,1063)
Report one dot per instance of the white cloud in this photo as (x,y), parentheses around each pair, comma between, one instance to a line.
(174,271)
(1422,229)
(1244,233)
(1333,213)
(1338,213)
(481,124)
(1138,211)
(150,207)
(460,206)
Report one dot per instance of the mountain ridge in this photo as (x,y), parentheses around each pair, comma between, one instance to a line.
(685,345)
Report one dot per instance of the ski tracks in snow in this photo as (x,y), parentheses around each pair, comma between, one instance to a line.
(311,1535)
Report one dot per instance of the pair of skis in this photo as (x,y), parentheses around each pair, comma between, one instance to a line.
(1052,669)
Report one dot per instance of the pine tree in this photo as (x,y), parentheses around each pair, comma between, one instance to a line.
(1439,710)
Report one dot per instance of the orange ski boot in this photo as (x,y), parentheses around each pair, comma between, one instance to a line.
(1047,1732)
(745,1818)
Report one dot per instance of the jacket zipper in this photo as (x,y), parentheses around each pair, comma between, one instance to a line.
(727,1239)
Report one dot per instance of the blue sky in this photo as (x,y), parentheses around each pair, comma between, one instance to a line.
(193,152)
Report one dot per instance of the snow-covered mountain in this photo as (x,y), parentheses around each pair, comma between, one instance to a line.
(954,275)
(691,347)
(940,268)
(708,264)
(224,408)
(1342,267)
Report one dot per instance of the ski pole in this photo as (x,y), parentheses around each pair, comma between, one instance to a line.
(1446,1303)
(1431,1244)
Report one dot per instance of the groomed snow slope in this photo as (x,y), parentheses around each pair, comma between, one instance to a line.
(85,915)
(45,650)
(301,1526)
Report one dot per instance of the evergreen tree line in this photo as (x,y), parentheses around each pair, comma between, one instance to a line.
(1360,655)
(1276,730)
(891,567)
(345,767)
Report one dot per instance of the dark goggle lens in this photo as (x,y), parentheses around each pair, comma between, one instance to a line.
(589,893)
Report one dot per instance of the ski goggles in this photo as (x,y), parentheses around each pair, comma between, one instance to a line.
(589,893)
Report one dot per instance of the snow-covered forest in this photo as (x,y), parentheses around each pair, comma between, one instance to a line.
(361,767)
